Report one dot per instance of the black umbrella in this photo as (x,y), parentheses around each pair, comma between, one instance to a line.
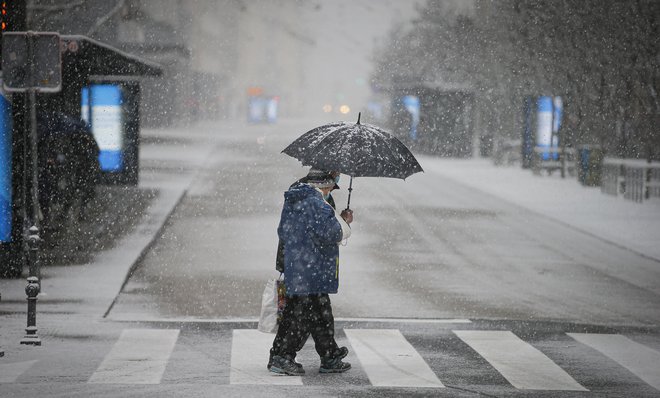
(358,150)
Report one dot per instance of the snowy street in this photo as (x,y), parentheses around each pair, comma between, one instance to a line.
(147,148)
(464,280)
(430,247)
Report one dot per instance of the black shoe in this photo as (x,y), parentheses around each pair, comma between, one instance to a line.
(270,362)
(282,365)
(341,353)
(334,365)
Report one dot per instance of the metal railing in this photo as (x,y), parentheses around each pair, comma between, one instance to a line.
(636,180)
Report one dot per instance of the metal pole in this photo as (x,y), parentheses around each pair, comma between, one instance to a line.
(33,287)
(350,190)
(2,353)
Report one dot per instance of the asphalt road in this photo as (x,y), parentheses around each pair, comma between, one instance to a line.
(426,249)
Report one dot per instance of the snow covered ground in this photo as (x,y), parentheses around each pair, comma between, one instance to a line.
(635,226)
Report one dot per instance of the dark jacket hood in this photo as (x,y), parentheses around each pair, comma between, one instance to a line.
(299,192)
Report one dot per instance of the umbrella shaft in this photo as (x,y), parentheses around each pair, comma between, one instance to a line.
(350,190)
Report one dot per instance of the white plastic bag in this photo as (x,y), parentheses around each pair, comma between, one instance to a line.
(268,317)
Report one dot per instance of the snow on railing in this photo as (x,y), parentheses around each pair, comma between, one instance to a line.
(635,179)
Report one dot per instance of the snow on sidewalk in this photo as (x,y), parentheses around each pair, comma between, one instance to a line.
(635,226)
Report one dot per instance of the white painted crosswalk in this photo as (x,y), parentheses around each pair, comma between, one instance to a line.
(389,360)
(139,357)
(249,355)
(9,372)
(522,365)
(642,361)
(380,358)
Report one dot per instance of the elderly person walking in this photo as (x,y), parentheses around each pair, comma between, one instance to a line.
(311,231)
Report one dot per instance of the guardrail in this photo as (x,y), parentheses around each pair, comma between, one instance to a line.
(636,180)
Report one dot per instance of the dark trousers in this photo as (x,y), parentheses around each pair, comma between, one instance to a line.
(305,315)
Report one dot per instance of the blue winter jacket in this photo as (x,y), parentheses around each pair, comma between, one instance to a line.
(311,234)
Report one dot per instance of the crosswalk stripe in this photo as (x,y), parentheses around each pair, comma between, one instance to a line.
(389,360)
(138,357)
(522,365)
(9,372)
(641,360)
(249,356)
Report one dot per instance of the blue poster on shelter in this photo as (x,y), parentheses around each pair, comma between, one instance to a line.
(412,105)
(544,125)
(5,170)
(102,108)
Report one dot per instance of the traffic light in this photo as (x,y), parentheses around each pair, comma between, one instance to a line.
(3,13)
(13,15)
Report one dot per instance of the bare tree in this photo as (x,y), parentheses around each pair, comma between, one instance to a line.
(601,56)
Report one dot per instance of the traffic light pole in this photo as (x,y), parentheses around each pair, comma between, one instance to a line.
(33,240)
(2,353)
(39,70)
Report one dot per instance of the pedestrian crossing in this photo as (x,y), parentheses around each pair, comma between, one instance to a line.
(385,357)
(9,372)
(139,357)
(248,345)
(524,366)
(637,358)
(389,360)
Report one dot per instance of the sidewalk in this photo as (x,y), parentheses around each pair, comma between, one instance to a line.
(635,226)
(78,288)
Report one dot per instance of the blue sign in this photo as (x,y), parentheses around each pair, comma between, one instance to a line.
(101,106)
(84,105)
(256,109)
(544,125)
(271,109)
(5,170)
(412,105)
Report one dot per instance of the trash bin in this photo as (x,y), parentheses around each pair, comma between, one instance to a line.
(590,164)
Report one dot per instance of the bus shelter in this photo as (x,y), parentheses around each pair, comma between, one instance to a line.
(100,84)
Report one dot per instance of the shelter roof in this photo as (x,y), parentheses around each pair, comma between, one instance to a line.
(84,56)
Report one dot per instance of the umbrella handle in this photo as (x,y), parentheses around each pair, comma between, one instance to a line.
(350,190)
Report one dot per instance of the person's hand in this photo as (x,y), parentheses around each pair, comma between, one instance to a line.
(347,215)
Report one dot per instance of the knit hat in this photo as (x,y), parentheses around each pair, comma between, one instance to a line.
(320,178)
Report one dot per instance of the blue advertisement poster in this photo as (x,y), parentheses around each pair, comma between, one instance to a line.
(272,108)
(544,125)
(5,170)
(412,105)
(256,109)
(84,106)
(557,113)
(102,108)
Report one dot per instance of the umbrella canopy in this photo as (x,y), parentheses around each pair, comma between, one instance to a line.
(359,150)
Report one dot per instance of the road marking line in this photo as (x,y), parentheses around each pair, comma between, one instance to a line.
(641,360)
(148,318)
(403,320)
(389,360)
(522,365)
(249,355)
(138,357)
(9,372)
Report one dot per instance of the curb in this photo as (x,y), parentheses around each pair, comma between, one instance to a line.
(156,233)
